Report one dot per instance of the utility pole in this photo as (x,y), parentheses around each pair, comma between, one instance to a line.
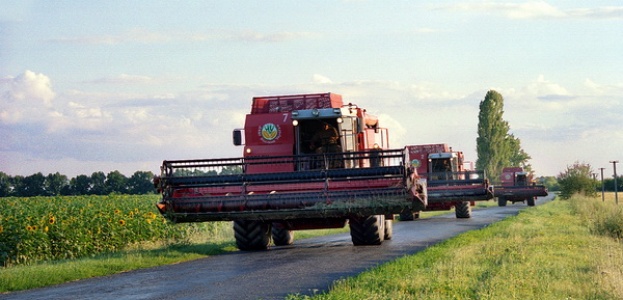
(616,192)
(602,184)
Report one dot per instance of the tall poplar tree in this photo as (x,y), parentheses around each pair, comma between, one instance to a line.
(496,148)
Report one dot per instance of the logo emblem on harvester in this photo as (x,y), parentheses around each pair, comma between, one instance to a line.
(416,163)
(269,132)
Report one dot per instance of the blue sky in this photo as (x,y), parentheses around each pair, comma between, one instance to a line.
(122,85)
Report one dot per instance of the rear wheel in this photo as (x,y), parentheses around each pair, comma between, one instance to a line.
(251,235)
(282,236)
(530,201)
(389,229)
(463,210)
(501,201)
(368,230)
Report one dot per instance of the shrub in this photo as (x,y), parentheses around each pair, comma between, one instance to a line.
(577,179)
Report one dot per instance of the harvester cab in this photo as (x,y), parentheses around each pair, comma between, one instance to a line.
(315,127)
(445,166)
(521,179)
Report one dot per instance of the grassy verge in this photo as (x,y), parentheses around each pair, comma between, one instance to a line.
(547,252)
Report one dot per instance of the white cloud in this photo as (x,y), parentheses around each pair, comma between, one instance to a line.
(608,12)
(146,36)
(125,79)
(321,79)
(29,86)
(26,98)
(604,89)
(254,36)
(136,35)
(536,10)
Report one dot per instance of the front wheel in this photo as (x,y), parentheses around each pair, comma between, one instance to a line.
(501,201)
(369,230)
(530,201)
(251,235)
(463,210)
(282,236)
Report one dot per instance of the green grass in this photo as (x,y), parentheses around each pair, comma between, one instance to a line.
(546,252)
(50,273)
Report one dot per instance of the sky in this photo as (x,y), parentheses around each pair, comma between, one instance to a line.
(89,86)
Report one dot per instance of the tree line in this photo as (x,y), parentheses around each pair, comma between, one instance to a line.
(57,184)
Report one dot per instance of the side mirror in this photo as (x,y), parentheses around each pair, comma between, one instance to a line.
(237,135)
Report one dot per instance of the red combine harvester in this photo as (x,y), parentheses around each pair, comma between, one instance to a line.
(518,186)
(449,183)
(309,162)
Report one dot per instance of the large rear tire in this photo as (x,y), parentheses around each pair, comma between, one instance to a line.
(282,236)
(365,231)
(463,210)
(251,235)
(501,201)
(389,229)
(530,201)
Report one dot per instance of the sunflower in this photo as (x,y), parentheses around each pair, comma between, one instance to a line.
(122,222)
(52,220)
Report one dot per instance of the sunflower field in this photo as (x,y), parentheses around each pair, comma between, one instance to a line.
(65,227)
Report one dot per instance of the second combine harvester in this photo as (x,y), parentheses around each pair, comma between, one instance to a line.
(449,183)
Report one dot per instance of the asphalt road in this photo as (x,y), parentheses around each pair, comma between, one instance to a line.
(307,267)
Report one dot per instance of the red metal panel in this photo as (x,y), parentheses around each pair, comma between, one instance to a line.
(269,129)
(269,135)
(287,188)
(288,103)
(508,175)
(419,153)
